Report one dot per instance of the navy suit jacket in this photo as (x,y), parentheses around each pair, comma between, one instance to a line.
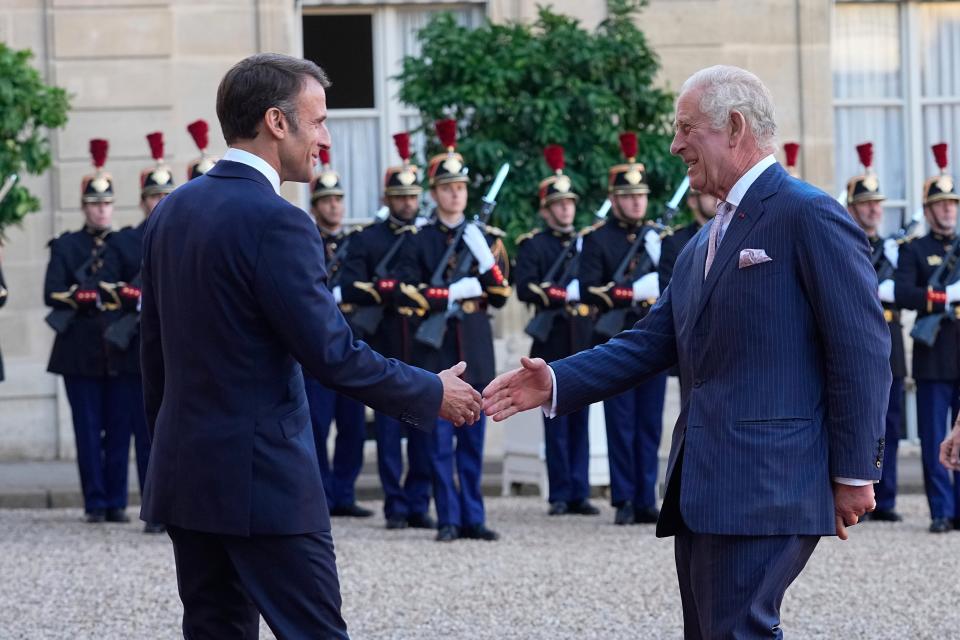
(234,295)
(784,365)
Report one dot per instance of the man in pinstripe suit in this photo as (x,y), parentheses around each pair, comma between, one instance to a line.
(774,320)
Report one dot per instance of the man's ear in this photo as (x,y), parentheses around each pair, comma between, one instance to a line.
(275,123)
(738,128)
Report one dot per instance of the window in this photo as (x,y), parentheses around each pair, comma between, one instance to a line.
(343,46)
(362,46)
(897,84)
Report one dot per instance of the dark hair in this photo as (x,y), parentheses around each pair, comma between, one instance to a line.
(257,83)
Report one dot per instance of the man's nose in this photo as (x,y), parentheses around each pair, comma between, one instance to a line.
(676,145)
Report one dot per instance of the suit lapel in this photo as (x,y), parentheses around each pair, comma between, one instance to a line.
(699,262)
(746,216)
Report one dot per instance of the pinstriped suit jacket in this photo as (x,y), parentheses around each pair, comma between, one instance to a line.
(784,365)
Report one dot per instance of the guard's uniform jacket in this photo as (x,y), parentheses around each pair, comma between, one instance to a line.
(361,288)
(469,336)
(917,262)
(670,250)
(126,247)
(80,349)
(537,252)
(891,312)
(603,250)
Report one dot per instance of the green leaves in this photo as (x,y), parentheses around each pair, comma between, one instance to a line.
(27,108)
(516,88)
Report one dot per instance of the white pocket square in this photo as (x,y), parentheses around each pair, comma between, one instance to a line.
(750,257)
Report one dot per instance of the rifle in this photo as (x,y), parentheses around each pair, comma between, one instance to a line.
(541,324)
(7,185)
(885,271)
(611,322)
(60,319)
(432,330)
(334,266)
(120,333)
(926,329)
(366,318)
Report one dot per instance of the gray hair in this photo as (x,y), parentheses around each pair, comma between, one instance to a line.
(726,89)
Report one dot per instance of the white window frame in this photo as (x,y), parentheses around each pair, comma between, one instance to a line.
(911,103)
(387,63)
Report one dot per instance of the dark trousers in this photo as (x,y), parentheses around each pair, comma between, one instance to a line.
(886,489)
(567,440)
(936,403)
(227,582)
(412,494)
(340,481)
(102,408)
(634,421)
(463,507)
(732,586)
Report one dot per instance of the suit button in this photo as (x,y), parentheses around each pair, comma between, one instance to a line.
(698,383)
(878,464)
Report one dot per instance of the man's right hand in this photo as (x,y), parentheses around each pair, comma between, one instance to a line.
(950,449)
(461,402)
(528,387)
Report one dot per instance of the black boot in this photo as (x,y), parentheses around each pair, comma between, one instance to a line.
(624,514)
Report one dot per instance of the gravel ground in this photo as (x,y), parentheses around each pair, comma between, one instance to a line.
(550,578)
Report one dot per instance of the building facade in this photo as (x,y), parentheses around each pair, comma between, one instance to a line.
(879,70)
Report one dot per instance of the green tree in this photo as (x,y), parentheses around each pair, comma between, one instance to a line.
(516,88)
(28,107)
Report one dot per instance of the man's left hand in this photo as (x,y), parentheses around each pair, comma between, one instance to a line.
(850,503)
(950,449)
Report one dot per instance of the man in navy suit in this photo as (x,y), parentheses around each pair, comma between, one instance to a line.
(234,297)
(773,317)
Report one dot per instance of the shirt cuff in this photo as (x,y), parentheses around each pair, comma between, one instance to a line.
(853,482)
(551,411)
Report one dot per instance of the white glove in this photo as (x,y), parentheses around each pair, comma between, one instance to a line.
(646,287)
(651,242)
(886,291)
(953,293)
(337,294)
(465,288)
(891,251)
(573,291)
(477,243)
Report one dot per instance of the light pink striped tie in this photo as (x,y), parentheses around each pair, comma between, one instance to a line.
(724,209)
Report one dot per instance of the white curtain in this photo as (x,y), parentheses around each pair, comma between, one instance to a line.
(355,155)
(939,26)
(357,139)
(867,71)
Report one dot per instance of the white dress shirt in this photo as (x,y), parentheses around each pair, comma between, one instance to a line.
(251,160)
(734,197)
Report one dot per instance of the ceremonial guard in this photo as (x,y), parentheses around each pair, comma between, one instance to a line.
(865,204)
(100,401)
(370,284)
(456,328)
(703,207)
(545,276)
(926,282)
(340,477)
(199,130)
(618,274)
(123,335)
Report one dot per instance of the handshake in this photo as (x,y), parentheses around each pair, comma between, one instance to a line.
(525,388)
